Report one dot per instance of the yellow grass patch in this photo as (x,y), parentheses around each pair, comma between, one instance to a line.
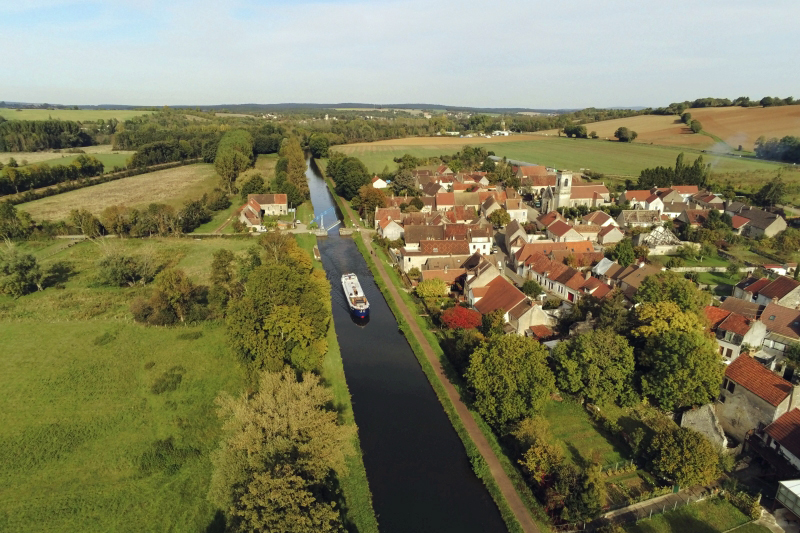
(45,155)
(173,186)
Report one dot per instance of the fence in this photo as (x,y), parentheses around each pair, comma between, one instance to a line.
(641,511)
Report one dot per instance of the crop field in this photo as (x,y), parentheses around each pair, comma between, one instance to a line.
(609,157)
(51,157)
(733,125)
(78,115)
(172,186)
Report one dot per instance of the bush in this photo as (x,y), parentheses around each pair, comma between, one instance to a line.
(749,505)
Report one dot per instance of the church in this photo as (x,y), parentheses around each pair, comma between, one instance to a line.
(566,194)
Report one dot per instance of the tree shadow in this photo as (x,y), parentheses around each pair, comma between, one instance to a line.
(217,524)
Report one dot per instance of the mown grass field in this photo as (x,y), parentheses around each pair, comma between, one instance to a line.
(172,186)
(78,115)
(710,516)
(608,157)
(52,157)
(583,442)
(107,424)
(109,160)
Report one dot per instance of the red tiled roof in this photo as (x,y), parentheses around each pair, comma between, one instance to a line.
(786,430)
(549,218)
(696,216)
(500,295)
(685,189)
(759,380)
(738,221)
(779,288)
(268,199)
(445,198)
(541,332)
(588,191)
(636,195)
(537,170)
(538,181)
(449,276)
(715,315)
(652,198)
(531,248)
(736,323)
(559,228)
(597,217)
(753,286)
(608,229)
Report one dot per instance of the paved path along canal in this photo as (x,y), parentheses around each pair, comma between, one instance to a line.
(418,471)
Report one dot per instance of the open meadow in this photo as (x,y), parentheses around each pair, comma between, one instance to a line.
(172,186)
(103,152)
(612,158)
(108,425)
(77,115)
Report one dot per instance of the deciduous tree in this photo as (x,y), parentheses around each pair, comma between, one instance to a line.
(671,286)
(510,379)
(684,457)
(459,317)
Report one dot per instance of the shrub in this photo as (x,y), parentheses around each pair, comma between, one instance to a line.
(461,318)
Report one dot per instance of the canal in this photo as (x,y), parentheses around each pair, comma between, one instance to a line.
(418,470)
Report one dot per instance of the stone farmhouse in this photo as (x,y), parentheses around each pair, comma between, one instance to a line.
(259,206)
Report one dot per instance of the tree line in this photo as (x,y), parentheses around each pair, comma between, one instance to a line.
(19,179)
(35,135)
(786,149)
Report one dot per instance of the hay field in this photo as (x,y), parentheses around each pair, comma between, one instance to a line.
(743,125)
(78,115)
(665,130)
(609,157)
(51,157)
(173,186)
(734,125)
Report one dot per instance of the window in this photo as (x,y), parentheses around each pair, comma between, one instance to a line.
(731,386)
(729,353)
(722,398)
(725,383)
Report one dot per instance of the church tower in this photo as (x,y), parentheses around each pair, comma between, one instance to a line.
(563,189)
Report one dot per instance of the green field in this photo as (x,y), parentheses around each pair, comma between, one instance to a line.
(79,115)
(608,157)
(109,160)
(710,516)
(108,424)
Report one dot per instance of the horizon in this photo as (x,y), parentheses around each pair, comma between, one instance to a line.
(572,57)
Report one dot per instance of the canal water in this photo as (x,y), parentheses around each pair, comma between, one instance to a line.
(418,471)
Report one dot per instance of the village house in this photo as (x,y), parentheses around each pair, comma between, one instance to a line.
(695,218)
(783,436)
(610,234)
(733,331)
(390,229)
(706,200)
(545,220)
(752,397)
(672,210)
(782,290)
(259,206)
(628,279)
(560,231)
(519,311)
(635,199)
(654,203)
(638,218)
(578,250)
(379,183)
(783,331)
(514,231)
(760,222)
(599,218)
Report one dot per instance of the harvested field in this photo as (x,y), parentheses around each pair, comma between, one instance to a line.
(78,115)
(173,186)
(51,157)
(734,125)
(665,130)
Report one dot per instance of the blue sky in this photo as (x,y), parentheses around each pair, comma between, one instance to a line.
(539,54)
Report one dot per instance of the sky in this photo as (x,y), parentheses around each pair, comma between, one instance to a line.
(536,54)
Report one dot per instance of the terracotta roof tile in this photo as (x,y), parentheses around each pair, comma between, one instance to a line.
(738,221)
(715,315)
(786,430)
(736,323)
(542,332)
(444,247)
(759,380)
(500,294)
(559,228)
(779,288)
(597,217)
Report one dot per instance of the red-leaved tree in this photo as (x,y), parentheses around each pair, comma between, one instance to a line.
(461,318)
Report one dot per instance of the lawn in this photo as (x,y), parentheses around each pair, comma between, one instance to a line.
(583,442)
(78,115)
(711,516)
(609,157)
(172,186)
(220,217)
(708,261)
